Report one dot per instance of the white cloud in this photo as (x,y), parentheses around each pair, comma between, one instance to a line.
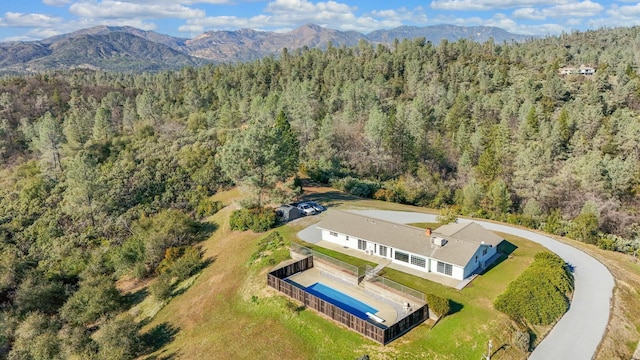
(415,16)
(464,5)
(625,12)
(579,9)
(285,7)
(501,21)
(528,13)
(14,19)
(56,2)
(287,14)
(113,9)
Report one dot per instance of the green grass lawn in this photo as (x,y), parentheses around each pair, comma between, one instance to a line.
(229,311)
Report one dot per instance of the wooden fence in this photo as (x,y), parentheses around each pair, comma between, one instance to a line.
(378,333)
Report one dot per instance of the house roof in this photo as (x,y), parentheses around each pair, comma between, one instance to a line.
(469,231)
(394,235)
(463,240)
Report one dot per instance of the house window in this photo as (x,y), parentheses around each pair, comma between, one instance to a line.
(418,261)
(402,256)
(383,250)
(484,251)
(444,268)
(362,245)
(333,233)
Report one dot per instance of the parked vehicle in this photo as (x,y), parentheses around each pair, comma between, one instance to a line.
(319,208)
(306,209)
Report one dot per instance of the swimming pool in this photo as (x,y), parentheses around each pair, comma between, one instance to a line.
(341,300)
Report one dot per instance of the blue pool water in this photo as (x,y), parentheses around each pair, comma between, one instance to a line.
(341,300)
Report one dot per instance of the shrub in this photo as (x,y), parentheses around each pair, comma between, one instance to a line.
(522,340)
(357,187)
(438,305)
(386,195)
(187,264)
(208,207)
(240,220)
(161,289)
(256,219)
(263,219)
(540,295)
(447,216)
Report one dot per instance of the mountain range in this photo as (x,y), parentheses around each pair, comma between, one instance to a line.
(130,49)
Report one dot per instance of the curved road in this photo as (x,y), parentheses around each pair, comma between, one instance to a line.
(580,330)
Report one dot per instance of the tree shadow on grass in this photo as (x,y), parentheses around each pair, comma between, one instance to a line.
(454,307)
(205,230)
(159,336)
(136,297)
(330,198)
(203,264)
(171,356)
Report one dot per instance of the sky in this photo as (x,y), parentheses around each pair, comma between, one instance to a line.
(27,20)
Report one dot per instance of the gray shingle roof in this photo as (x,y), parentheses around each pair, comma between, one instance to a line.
(463,239)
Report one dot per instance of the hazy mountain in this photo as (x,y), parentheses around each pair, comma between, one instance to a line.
(246,44)
(450,32)
(131,49)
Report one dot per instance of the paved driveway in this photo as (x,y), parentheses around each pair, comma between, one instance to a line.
(578,333)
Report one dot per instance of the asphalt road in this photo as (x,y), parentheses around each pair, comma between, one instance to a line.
(577,335)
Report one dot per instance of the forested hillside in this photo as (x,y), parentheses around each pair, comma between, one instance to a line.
(106,175)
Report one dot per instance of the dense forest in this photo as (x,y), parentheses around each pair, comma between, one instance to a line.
(108,175)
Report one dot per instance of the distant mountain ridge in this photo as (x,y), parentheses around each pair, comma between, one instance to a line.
(123,48)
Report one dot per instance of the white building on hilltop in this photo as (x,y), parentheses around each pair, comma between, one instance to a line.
(454,250)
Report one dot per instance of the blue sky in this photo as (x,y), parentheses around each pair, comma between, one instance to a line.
(37,19)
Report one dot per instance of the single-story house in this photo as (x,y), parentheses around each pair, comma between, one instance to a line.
(582,70)
(456,250)
(287,213)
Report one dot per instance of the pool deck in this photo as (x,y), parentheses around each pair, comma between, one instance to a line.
(309,277)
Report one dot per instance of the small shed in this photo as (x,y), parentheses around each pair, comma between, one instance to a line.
(287,213)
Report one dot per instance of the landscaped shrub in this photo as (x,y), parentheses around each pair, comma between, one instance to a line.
(540,295)
(438,305)
(256,219)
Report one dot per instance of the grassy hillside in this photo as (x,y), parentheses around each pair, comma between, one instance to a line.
(229,312)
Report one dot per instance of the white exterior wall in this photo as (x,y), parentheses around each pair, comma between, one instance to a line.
(457,272)
(482,260)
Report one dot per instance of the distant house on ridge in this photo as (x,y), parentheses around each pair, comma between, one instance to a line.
(582,70)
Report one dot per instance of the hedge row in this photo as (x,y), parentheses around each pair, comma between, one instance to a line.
(541,294)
